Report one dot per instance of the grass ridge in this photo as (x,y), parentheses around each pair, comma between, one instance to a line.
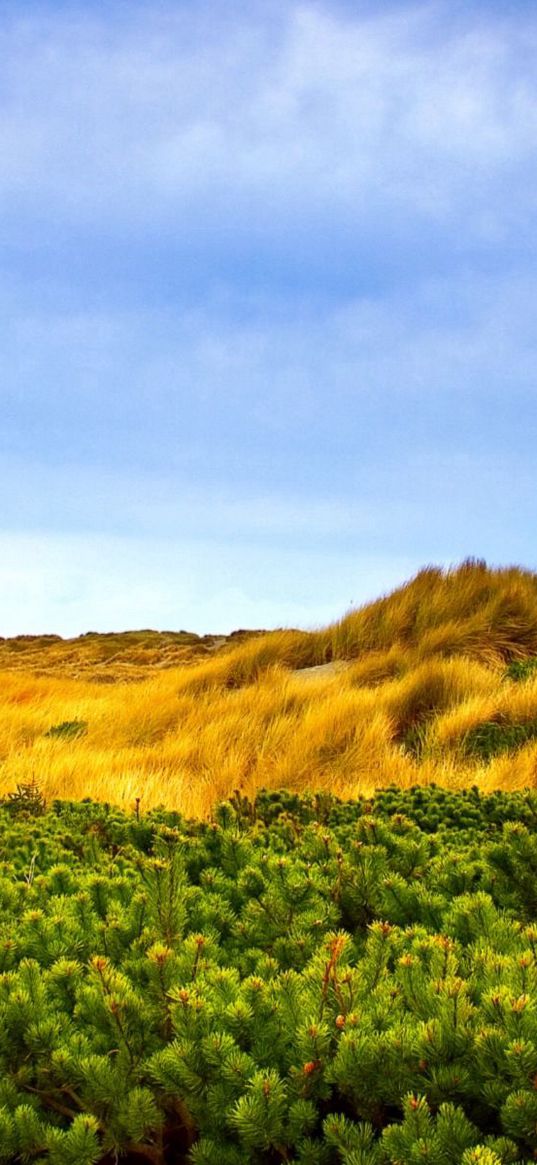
(436,682)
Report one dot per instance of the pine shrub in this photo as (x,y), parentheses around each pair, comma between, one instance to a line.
(298,980)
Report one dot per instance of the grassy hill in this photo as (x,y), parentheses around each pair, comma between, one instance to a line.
(433,683)
(112,656)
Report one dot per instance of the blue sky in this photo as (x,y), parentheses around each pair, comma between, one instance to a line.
(267,304)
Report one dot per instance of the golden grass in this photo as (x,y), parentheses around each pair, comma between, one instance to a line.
(238,714)
(106,658)
(188,750)
(488,613)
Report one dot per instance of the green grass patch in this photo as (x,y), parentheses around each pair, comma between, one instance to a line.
(68,729)
(490,739)
(521,669)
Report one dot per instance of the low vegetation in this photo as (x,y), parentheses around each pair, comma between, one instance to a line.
(299,980)
(323,949)
(436,682)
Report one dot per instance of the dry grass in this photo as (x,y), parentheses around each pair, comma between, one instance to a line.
(489,613)
(237,714)
(107,658)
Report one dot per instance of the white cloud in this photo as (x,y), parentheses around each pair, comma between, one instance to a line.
(71,497)
(269,284)
(191,379)
(152,119)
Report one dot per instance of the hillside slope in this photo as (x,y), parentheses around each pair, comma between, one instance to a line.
(434,682)
(110,656)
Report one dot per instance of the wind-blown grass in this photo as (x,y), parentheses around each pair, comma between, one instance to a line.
(418,673)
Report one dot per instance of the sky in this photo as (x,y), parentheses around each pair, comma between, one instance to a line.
(267,306)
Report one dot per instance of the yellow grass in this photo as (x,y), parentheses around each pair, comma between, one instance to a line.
(448,730)
(237,714)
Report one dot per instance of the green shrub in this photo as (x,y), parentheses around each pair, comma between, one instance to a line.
(68,729)
(489,739)
(521,669)
(26,801)
(299,980)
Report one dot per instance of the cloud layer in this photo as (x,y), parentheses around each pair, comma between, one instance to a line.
(266,289)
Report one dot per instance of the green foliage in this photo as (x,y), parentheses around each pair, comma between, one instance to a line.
(26,801)
(300,980)
(491,738)
(68,729)
(521,669)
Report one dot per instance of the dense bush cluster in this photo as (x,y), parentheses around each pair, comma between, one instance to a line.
(300,980)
